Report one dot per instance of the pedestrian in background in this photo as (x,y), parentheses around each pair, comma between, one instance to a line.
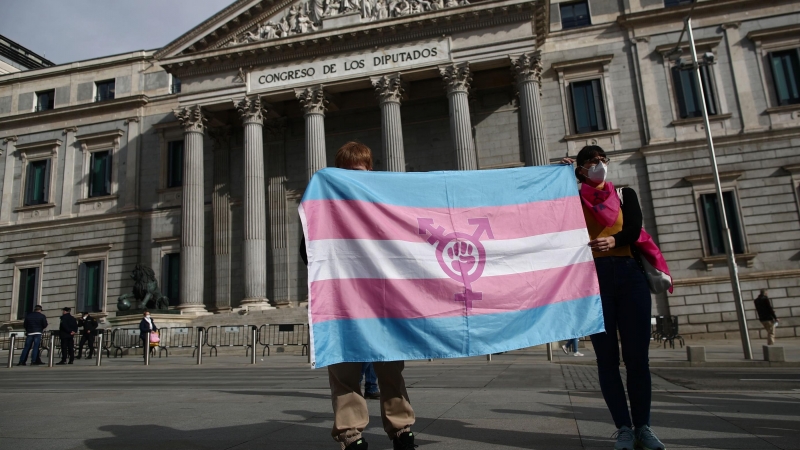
(88,333)
(35,324)
(371,390)
(146,326)
(766,315)
(571,346)
(614,222)
(67,331)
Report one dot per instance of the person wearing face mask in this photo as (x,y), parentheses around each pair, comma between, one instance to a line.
(614,226)
(350,415)
(146,326)
(88,333)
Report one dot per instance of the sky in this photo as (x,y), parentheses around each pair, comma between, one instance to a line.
(72,30)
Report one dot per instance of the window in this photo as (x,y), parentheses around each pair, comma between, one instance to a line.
(171,278)
(37,182)
(574,15)
(687,94)
(28,292)
(91,285)
(45,100)
(786,76)
(100,174)
(105,90)
(587,106)
(175,87)
(668,3)
(713,223)
(174,164)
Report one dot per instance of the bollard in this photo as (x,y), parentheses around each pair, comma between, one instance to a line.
(199,345)
(99,350)
(51,349)
(489,357)
(146,350)
(11,351)
(549,351)
(253,349)
(774,353)
(695,354)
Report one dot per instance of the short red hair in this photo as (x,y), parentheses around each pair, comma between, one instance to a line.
(354,154)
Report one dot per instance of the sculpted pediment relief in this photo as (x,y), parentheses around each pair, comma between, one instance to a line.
(308,16)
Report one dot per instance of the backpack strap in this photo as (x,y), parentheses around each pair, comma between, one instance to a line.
(619,194)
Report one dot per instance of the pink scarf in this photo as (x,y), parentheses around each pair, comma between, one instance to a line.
(603,203)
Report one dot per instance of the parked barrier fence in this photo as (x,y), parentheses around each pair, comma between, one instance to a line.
(99,344)
(177,337)
(125,339)
(283,334)
(5,339)
(228,336)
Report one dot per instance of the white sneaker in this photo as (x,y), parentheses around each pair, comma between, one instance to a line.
(577,354)
(564,347)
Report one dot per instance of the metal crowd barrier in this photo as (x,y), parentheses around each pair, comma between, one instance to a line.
(177,337)
(19,340)
(228,336)
(125,339)
(283,334)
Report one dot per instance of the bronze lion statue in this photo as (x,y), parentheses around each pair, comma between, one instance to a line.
(145,291)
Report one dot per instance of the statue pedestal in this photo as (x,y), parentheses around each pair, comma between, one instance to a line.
(132,319)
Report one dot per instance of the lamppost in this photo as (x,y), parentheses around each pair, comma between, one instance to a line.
(726,232)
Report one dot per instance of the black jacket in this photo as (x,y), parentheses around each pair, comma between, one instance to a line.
(144,327)
(68,325)
(35,322)
(764,309)
(89,325)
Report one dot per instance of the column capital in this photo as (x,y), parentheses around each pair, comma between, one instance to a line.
(8,139)
(641,39)
(191,118)
(131,119)
(312,100)
(527,67)
(457,77)
(69,130)
(734,25)
(251,109)
(389,88)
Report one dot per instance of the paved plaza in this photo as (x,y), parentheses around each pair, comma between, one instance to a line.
(516,401)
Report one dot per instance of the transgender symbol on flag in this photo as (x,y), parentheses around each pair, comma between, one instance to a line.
(460,255)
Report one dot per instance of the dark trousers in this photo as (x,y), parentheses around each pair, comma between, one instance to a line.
(626,308)
(32,342)
(67,347)
(86,339)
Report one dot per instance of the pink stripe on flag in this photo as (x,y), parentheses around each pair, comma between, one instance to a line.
(411,299)
(354,219)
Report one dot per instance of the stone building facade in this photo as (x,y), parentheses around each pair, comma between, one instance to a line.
(192,159)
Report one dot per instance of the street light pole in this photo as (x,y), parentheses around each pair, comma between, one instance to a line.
(726,232)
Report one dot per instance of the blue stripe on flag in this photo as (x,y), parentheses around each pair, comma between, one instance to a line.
(409,339)
(454,189)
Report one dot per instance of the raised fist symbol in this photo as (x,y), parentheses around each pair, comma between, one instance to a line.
(461,254)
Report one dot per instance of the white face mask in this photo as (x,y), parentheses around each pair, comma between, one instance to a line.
(597,174)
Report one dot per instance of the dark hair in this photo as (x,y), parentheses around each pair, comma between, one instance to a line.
(67,309)
(37,308)
(145,312)
(587,153)
(763,292)
(354,154)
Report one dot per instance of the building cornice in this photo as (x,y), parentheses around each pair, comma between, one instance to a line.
(719,141)
(707,42)
(583,62)
(364,35)
(60,114)
(774,33)
(701,9)
(793,273)
(75,67)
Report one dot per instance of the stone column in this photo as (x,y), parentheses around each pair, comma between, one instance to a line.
(390,90)
(313,103)
(131,158)
(741,79)
(68,186)
(193,211)
(254,246)
(8,179)
(527,69)
(457,79)
(221,207)
(649,91)
(278,211)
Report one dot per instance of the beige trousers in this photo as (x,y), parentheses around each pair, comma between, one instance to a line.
(350,415)
(769,325)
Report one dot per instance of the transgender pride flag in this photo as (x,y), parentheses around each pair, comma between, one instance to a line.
(445,264)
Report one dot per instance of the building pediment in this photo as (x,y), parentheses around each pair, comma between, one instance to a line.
(256,27)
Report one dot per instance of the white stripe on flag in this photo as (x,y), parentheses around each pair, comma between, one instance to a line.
(365,258)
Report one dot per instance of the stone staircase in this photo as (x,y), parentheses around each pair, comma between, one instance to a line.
(271,316)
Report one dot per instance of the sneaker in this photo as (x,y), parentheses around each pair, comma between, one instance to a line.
(61,363)
(577,354)
(646,439)
(624,438)
(404,442)
(360,444)
(22,364)
(374,395)
(564,347)
(37,363)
